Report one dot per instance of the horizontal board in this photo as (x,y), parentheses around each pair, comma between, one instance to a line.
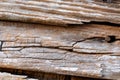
(62,13)
(83,52)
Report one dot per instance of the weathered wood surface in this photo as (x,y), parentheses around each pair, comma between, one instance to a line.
(8,76)
(89,50)
(64,50)
(59,12)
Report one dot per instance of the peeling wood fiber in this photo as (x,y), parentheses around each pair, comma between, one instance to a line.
(60,12)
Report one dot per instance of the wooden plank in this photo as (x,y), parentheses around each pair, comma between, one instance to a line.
(15,36)
(8,76)
(62,13)
(51,55)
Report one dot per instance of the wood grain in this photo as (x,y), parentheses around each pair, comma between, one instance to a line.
(83,52)
(72,38)
(62,13)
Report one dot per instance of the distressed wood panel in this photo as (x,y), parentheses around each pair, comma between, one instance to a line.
(51,49)
(89,50)
(54,12)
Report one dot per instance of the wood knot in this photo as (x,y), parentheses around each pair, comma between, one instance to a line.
(110,39)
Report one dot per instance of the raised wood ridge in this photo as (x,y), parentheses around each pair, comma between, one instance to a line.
(62,13)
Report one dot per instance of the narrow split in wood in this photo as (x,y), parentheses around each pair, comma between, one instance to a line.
(1,43)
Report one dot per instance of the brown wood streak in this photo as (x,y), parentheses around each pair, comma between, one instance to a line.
(54,12)
(50,49)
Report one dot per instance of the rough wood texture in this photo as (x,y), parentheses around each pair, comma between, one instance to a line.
(90,49)
(83,52)
(8,76)
(59,12)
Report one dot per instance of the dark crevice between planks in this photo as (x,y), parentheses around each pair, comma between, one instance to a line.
(108,1)
(45,76)
(1,45)
(95,22)
(70,25)
(67,77)
(103,23)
